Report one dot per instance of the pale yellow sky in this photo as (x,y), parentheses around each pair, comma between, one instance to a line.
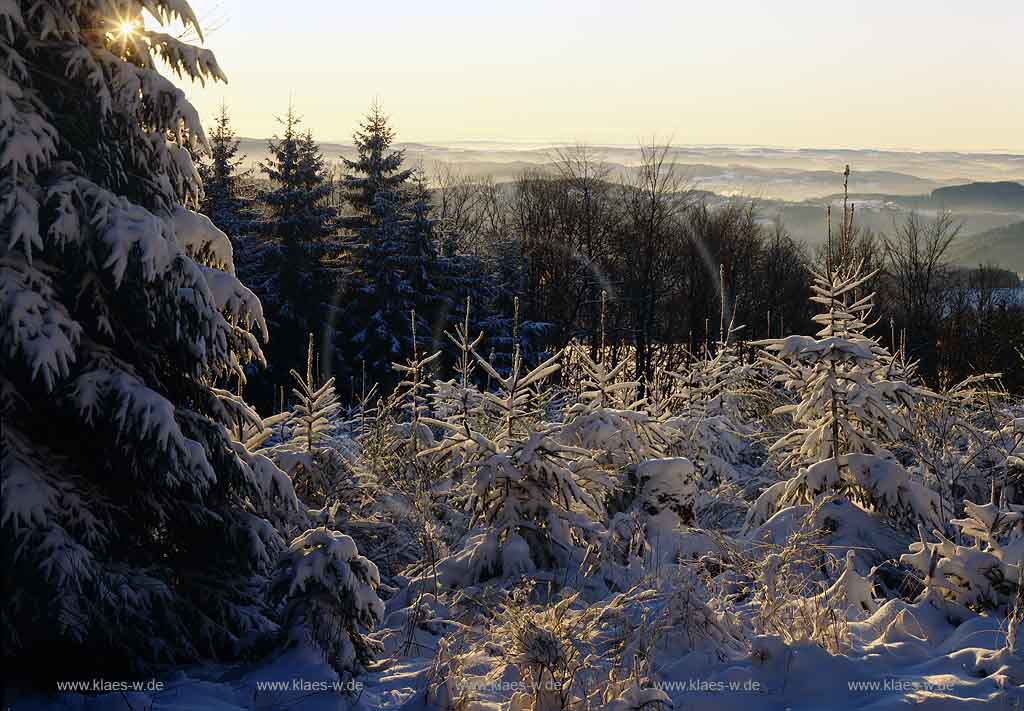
(900,74)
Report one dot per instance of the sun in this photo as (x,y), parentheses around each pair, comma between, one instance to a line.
(126,28)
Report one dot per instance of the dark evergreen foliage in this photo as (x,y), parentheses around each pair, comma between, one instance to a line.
(291,261)
(228,188)
(135,529)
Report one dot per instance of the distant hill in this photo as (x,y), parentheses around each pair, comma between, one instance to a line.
(1003,246)
(722,171)
(1004,194)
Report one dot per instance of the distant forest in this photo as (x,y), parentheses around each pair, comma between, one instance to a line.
(377,259)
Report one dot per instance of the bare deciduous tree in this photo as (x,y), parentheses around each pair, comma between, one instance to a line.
(917,277)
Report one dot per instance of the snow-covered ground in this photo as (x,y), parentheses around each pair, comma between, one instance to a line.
(903,654)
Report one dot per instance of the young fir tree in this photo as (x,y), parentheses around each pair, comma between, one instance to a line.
(328,593)
(705,392)
(848,411)
(316,468)
(227,189)
(534,502)
(133,524)
(984,575)
(608,418)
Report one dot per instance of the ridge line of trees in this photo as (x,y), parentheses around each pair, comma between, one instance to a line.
(640,263)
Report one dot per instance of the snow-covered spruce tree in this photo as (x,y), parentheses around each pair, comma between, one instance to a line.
(953,446)
(300,183)
(609,418)
(329,595)
(984,575)
(316,406)
(319,471)
(375,507)
(440,284)
(413,478)
(458,400)
(133,524)
(533,500)
(419,263)
(655,495)
(381,297)
(227,186)
(292,277)
(708,428)
(377,168)
(846,412)
(396,261)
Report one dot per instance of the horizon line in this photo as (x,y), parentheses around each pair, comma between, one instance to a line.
(568,143)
